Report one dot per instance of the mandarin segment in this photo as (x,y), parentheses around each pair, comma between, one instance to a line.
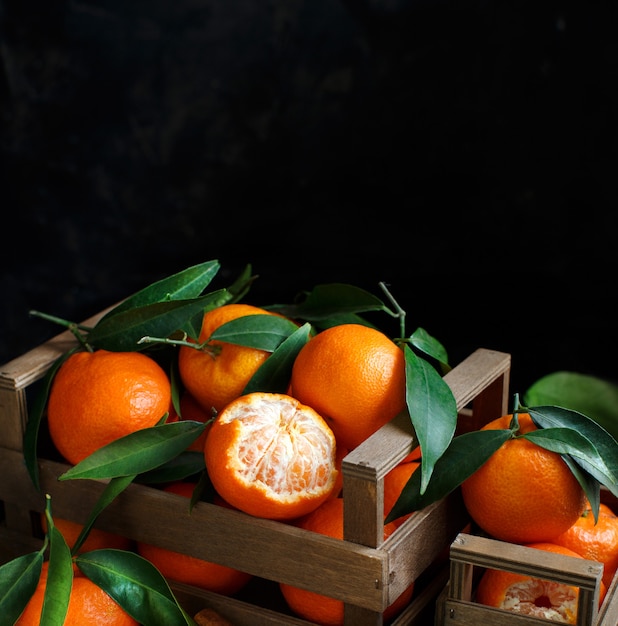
(523,493)
(271,456)
(339,456)
(354,376)
(98,397)
(526,595)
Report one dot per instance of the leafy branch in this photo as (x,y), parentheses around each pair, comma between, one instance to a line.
(588,449)
(132,581)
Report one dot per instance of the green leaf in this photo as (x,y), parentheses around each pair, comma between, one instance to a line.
(330,300)
(113,488)
(552,416)
(465,454)
(342,318)
(35,415)
(135,584)
(18,581)
(189,283)
(203,490)
(235,292)
(589,395)
(433,411)
(59,575)
(430,346)
(274,374)
(590,485)
(182,466)
(138,452)
(264,332)
(568,441)
(176,385)
(240,287)
(123,331)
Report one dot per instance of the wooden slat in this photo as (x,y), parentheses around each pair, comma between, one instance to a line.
(417,543)
(459,613)
(14,544)
(235,610)
(421,611)
(12,417)
(32,365)
(490,553)
(482,368)
(608,614)
(265,548)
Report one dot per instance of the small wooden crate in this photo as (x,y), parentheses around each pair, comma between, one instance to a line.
(364,571)
(470,554)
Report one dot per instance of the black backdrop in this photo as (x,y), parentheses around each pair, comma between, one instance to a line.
(464,152)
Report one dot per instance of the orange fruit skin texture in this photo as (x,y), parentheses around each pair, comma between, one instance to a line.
(394,482)
(216,380)
(354,377)
(413,455)
(271,456)
(597,542)
(97,537)
(89,605)
(97,397)
(340,454)
(327,519)
(188,569)
(523,594)
(523,493)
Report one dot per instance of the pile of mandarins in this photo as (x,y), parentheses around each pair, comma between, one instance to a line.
(271,455)
(278,455)
(527,495)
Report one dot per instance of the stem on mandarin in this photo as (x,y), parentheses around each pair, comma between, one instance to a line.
(398,313)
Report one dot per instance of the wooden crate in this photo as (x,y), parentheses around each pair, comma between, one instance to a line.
(363,571)
(471,554)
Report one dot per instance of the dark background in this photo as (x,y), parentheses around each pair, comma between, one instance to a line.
(464,152)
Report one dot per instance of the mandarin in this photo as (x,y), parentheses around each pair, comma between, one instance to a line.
(414,455)
(394,483)
(597,541)
(191,570)
(354,376)
(521,593)
(210,617)
(340,455)
(89,605)
(523,493)
(271,456)
(219,372)
(98,397)
(327,520)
